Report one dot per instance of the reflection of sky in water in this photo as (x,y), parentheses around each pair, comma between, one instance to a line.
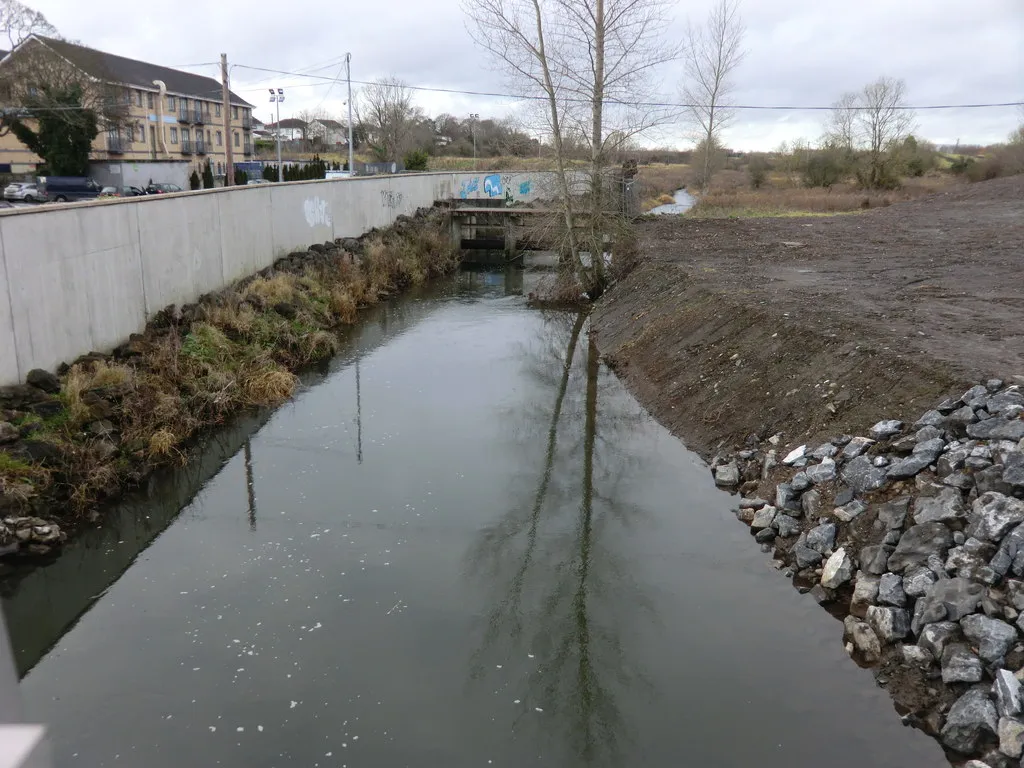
(466,550)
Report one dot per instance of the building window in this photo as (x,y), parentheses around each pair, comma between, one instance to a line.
(220,139)
(174,135)
(142,134)
(216,108)
(170,103)
(185,135)
(138,98)
(208,136)
(234,113)
(149,100)
(236,138)
(220,169)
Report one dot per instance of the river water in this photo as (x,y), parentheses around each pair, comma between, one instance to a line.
(684,201)
(462,544)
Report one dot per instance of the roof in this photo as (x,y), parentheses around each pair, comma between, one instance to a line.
(112,68)
(288,122)
(328,123)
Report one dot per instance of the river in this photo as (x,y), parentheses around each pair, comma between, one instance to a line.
(684,201)
(463,543)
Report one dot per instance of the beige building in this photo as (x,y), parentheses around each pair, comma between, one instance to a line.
(161,114)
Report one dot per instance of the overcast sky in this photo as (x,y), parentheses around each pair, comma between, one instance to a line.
(799,52)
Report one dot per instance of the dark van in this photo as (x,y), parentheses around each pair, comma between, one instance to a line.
(64,189)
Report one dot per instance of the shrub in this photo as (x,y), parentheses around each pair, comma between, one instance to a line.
(758,170)
(241,177)
(193,181)
(208,182)
(416,160)
(822,169)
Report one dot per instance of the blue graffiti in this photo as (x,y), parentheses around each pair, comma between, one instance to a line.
(468,187)
(525,187)
(492,185)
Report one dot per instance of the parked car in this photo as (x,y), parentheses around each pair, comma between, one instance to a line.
(162,189)
(127,191)
(5,204)
(28,192)
(338,175)
(64,189)
(258,181)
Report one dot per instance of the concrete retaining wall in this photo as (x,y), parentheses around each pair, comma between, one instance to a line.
(84,276)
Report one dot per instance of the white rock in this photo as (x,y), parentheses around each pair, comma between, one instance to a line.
(795,455)
(838,569)
(1011,736)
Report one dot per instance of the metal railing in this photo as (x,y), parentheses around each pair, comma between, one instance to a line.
(186,147)
(199,117)
(116,145)
(247,148)
(200,147)
(246,121)
(184,115)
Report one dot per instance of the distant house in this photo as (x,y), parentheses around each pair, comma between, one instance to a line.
(289,129)
(330,132)
(163,114)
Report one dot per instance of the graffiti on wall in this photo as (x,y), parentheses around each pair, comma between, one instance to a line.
(525,187)
(389,199)
(468,187)
(318,213)
(492,185)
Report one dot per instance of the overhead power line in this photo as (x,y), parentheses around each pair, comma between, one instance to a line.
(764,107)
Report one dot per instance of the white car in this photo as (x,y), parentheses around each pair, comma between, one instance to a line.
(26,192)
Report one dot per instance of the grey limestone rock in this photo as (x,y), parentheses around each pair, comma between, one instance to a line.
(806,557)
(1007,690)
(821,473)
(763,518)
(917,580)
(890,591)
(890,624)
(1013,469)
(787,498)
(972,715)
(822,538)
(810,504)
(946,507)
(874,558)
(1004,401)
(952,460)
(949,600)
(800,482)
(865,592)
(886,428)
(997,428)
(910,466)
(856,446)
(1008,557)
(893,514)
(824,451)
(849,511)
(862,475)
(959,665)
(1011,736)
(930,419)
(863,638)
(787,526)
(935,637)
(993,515)
(917,543)
(992,637)
(727,475)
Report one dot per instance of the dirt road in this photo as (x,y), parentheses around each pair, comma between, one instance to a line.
(820,324)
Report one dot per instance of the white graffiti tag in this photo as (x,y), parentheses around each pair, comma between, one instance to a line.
(317,212)
(390,199)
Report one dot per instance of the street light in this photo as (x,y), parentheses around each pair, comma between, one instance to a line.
(276,97)
(472,129)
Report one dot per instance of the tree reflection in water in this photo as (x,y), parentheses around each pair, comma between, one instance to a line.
(549,565)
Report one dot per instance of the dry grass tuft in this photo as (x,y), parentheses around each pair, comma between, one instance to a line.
(162,442)
(343,304)
(269,386)
(273,290)
(84,377)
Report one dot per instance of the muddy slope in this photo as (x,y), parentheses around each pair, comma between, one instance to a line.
(819,326)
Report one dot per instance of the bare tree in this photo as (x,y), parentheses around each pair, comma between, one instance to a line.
(18,21)
(311,129)
(841,128)
(386,108)
(712,54)
(882,122)
(591,63)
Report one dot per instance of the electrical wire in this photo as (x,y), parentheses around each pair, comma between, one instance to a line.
(763,107)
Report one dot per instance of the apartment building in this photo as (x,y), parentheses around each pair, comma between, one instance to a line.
(162,114)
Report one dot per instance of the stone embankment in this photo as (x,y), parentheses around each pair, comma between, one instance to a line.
(914,534)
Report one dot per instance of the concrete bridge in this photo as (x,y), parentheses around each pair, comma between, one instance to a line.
(84,276)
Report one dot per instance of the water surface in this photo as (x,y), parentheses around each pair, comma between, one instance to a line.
(684,201)
(463,544)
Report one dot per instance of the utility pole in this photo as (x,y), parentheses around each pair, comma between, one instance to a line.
(276,97)
(472,129)
(229,168)
(348,75)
